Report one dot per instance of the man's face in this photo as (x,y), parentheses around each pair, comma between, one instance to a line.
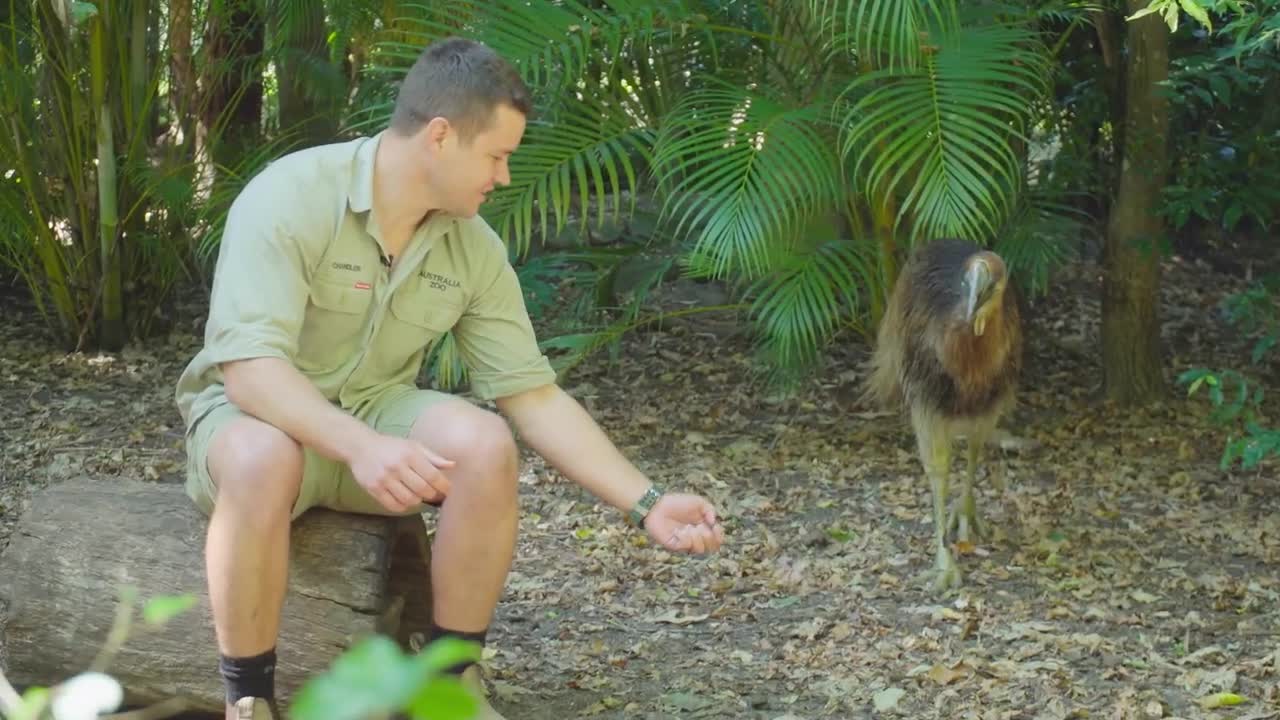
(462,172)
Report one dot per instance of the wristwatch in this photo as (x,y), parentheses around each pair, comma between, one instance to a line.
(644,505)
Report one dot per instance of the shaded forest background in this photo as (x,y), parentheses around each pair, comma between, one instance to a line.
(791,152)
(774,160)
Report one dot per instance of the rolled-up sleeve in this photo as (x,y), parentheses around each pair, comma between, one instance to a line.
(259,292)
(495,336)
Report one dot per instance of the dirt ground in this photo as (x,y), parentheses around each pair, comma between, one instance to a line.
(1129,578)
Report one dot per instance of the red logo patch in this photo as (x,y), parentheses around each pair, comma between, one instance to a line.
(363,286)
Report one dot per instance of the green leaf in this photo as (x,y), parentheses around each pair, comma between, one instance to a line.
(585,159)
(445,653)
(1197,12)
(887,34)
(840,535)
(34,698)
(162,609)
(1222,699)
(1155,7)
(443,698)
(82,12)
(1195,386)
(375,677)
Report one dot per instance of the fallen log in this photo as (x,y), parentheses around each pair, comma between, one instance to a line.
(80,542)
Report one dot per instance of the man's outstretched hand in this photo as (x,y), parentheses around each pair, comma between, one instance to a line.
(685,523)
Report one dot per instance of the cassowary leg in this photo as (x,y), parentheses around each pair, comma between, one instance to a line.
(966,519)
(935,451)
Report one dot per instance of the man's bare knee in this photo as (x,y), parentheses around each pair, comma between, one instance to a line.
(256,467)
(481,446)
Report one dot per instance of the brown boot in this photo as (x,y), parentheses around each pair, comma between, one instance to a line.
(248,708)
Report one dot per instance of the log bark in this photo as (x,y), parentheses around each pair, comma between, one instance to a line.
(81,541)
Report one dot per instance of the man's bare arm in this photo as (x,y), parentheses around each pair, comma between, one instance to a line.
(560,430)
(398,472)
(273,391)
(565,435)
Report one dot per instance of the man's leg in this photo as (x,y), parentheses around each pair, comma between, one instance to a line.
(476,527)
(252,476)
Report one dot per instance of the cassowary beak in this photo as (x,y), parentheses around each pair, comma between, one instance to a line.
(979,279)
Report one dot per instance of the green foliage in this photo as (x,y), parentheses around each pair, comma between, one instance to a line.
(873,125)
(800,306)
(1227,168)
(1238,400)
(374,678)
(940,136)
(748,171)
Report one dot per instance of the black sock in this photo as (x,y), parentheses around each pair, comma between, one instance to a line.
(249,676)
(436,632)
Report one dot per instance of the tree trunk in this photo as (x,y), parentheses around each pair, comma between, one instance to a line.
(1132,366)
(231,77)
(309,97)
(81,541)
(111,333)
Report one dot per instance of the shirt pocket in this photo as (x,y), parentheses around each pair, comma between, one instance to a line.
(418,319)
(335,325)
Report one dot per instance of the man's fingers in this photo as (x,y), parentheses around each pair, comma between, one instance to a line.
(697,541)
(430,474)
(388,501)
(400,488)
(435,458)
(411,479)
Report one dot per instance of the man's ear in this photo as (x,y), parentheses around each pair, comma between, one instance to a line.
(437,132)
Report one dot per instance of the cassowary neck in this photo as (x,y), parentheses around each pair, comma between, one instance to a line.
(973,361)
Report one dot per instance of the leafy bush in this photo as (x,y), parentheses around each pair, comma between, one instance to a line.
(1237,400)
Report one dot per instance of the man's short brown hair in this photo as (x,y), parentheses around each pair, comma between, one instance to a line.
(462,81)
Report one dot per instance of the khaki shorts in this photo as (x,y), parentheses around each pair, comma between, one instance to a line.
(325,483)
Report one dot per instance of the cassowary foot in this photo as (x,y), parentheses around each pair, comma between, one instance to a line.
(965,521)
(944,575)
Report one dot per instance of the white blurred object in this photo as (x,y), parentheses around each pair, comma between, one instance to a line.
(86,696)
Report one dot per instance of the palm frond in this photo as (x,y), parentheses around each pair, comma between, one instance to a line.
(939,137)
(798,307)
(550,43)
(886,34)
(1041,235)
(1038,12)
(744,171)
(586,158)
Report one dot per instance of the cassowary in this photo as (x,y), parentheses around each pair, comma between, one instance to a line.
(948,354)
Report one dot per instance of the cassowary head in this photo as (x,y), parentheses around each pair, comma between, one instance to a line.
(982,288)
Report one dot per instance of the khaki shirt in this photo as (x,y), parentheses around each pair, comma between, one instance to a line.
(301,276)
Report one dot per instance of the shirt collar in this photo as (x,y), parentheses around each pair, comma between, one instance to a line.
(360,190)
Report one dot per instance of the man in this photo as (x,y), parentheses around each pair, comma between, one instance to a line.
(339,266)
